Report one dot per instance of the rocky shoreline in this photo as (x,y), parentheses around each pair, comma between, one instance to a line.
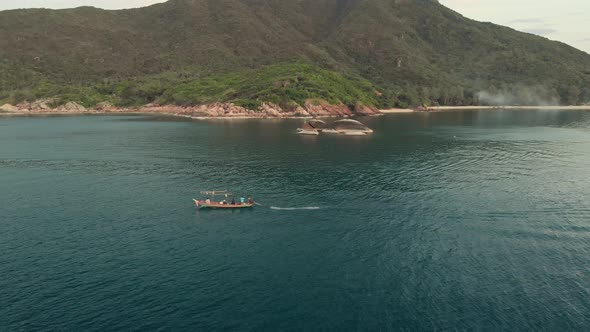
(214,110)
(232,111)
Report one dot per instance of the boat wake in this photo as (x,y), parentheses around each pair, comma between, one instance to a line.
(295,208)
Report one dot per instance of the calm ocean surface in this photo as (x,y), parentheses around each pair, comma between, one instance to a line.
(474,220)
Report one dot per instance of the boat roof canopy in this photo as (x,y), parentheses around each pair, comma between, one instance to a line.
(216,193)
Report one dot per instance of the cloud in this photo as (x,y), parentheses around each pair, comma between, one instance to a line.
(527,20)
(58,4)
(541,31)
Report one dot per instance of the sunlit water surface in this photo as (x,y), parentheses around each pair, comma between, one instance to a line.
(475,220)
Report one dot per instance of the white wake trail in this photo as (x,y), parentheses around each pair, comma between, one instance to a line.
(295,208)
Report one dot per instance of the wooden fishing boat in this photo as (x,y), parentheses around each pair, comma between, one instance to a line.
(209,203)
(219,205)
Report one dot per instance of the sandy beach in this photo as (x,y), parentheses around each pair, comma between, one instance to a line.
(499,108)
(484,108)
(396,110)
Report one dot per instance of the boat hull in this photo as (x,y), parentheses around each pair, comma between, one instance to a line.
(215,205)
(226,207)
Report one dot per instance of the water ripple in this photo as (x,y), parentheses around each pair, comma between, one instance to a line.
(462,221)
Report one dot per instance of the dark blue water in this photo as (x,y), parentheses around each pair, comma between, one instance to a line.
(475,220)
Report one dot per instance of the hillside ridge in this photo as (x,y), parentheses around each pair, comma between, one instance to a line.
(410,52)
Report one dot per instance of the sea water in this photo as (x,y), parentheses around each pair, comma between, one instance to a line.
(464,220)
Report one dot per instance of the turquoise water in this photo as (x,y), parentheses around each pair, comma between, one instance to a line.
(475,220)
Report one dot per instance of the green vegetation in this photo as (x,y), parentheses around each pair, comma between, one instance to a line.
(280,84)
(380,52)
(287,85)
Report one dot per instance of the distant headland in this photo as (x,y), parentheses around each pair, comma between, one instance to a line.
(241,57)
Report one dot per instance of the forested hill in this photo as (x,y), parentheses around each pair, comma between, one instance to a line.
(380,52)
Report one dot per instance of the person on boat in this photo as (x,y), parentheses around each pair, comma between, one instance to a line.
(242,200)
(250,200)
(233,201)
(208,201)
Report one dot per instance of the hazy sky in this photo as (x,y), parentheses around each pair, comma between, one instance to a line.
(107,4)
(565,20)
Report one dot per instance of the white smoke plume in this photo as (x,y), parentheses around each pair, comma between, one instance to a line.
(519,96)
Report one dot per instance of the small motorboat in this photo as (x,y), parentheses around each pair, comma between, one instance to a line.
(221,205)
(208,203)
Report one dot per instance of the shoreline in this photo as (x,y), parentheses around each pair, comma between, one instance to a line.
(78,113)
(397,111)
(177,112)
(172,115)
(502,108)
(311,109)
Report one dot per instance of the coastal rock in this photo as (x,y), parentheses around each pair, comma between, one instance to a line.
(213,110)
(184,111)
(300,111)
(230,110)
(104,106)
(74,107)
(41,104)
(323,108)
(166,109)
(8,108)
(361,109)
(227,110)
(24,107)
(270,109)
